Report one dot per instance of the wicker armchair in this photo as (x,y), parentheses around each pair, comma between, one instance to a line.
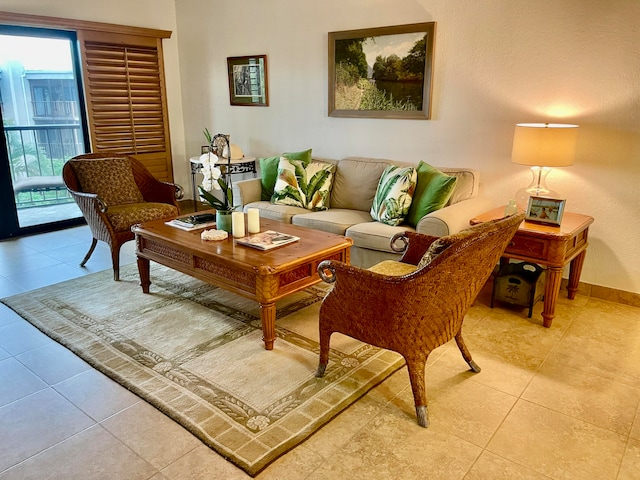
(118,192)
(417,304)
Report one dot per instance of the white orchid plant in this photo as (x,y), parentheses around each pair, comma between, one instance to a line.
(214,180)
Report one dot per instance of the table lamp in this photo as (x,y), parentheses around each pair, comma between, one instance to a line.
(542,146)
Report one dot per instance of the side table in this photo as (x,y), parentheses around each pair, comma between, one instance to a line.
(551,246)
(242,165)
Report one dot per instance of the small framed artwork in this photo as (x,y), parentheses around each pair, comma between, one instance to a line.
(248,81)
(382,72)
(545,210)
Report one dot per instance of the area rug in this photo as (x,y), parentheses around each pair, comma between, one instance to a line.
(195,352)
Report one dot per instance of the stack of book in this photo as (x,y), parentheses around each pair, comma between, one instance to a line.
(194,222)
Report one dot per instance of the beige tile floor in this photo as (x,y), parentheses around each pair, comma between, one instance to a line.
(558,403)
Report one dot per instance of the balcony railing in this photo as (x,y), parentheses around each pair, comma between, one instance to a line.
(41,151)
(56,109)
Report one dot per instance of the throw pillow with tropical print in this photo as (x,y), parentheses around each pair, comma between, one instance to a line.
(394,194)
(303,184)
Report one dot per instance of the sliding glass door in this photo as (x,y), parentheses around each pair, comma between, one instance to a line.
(43,125)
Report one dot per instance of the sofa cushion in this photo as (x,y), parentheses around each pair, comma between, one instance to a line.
(394,194)
(375,235)
(355,183)
(433,190)
(110,178)
(334,220)
(280,213)
(303,184)
(269,170)
(467,184)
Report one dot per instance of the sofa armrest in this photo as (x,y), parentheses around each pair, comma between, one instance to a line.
(250,190)
(453,218)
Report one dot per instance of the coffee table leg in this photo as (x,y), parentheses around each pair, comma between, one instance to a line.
(143,271)
(268,318)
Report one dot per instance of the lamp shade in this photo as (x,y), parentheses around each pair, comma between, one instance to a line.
(544,144)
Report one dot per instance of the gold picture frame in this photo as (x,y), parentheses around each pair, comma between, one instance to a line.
(383,72)
(248,81)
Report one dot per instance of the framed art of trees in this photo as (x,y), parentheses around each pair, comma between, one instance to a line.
(383,72)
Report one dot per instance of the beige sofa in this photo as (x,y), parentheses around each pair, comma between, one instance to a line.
(354,188)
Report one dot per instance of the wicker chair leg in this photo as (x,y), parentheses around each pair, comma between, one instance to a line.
(423,416)
(416,377)
(94,242)
(325,336)
(466,354)
(321,369)
(115,259)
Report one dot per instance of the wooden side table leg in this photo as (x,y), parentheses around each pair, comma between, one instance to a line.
(268,318)
(143,271)
(575,269)
(551,290)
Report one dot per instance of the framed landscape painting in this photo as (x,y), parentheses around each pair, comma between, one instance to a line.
(248,80)
(383,72)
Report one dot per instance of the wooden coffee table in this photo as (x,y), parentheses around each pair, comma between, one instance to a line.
(263,276)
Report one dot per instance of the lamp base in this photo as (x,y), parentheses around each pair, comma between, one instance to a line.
(537,188)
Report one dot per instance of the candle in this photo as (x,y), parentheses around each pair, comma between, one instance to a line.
(253,220)
(237,224)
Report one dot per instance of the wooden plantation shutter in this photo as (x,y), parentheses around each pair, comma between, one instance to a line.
(126,99)
(123,73)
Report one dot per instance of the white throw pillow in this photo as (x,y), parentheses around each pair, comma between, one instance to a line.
(394,194)
(303,184)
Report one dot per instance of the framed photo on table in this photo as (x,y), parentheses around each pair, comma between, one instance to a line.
(248,81)
(545,210)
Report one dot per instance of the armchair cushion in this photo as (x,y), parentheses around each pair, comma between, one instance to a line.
(393,268)
(110,178)
(269,171)
(303,184)
(433,191)
(394,194)
(123,216)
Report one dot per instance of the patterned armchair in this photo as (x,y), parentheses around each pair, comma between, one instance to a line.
(417,304)
(115,192)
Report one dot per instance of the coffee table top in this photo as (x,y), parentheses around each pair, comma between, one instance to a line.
(311,244)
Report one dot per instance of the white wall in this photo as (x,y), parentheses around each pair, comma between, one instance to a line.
(497,63)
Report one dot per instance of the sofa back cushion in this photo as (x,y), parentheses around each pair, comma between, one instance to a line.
(356,182)
(467,183)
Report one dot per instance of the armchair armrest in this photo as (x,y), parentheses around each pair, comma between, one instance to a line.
(453,218)
(250,190)
(415,245)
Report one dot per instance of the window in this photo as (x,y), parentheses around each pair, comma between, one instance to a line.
(123,74)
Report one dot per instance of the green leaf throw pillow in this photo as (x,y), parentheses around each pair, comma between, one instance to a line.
(302,184)
(269,170)
(393,196)
(433,191)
